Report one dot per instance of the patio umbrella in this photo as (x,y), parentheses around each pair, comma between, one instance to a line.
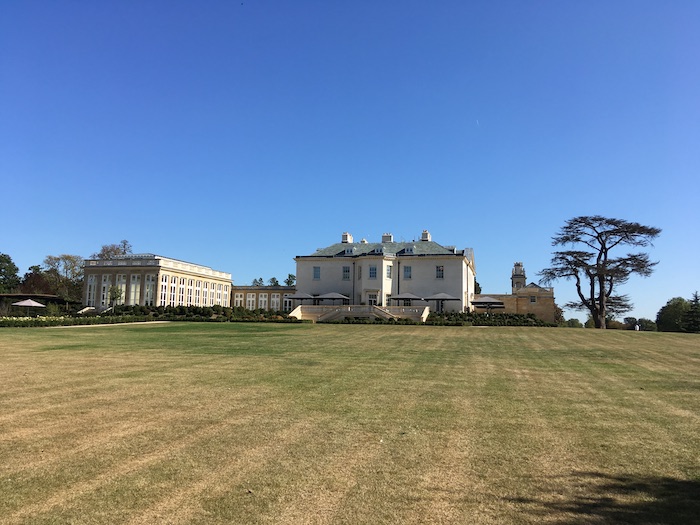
(407,297)
(489,303)
(440,299)
(300,296)
(29,303)
(332,296)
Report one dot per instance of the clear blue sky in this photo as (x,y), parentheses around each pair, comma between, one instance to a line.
(240,134)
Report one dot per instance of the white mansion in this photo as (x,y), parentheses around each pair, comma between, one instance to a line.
(390,273)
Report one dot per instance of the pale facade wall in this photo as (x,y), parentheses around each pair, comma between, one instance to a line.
(329,271)
(539,302)
(263,297)
(155,280)
(526,298)
(362,286)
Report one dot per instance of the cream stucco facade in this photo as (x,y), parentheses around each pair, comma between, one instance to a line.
(148,279)
(262,297)
(373,273)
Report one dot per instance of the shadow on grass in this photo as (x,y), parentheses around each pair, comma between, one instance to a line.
(594,497)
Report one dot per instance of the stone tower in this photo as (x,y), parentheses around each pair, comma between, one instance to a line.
(518,277)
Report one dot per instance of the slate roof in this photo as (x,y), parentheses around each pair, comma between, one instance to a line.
(533,285)
(355,249)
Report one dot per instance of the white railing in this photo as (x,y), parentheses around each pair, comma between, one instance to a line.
(327,313)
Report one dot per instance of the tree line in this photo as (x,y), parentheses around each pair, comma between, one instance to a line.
(60,275)
(590,259)
(272,281)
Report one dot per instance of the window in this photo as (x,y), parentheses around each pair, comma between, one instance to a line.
(163,290)
(190,287)
(181,295)
(346,273)
(198,293)
(372,272)
(439,272)
(135,289)
(372,299)
(387,301)
(121,286)
(205,294)
(406,272)
(287,305)
(359,273)
(104,292)
(227,296)
(317,273)
(250,301)
(173,290)
(90,301)
(262,301)
(150,289)
(275,302)
(238,299)
(533,298)
(388,271)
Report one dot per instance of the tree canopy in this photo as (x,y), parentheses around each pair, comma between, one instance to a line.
(690,320)
(110,251)
(591,264)
(67,266)
(64,274)
(670,316)
(9,274)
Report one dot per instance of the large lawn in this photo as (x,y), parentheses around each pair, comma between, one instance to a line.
(291,424)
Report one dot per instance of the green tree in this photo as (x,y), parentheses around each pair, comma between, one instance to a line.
(290,280)
(65,273)
(591,265)
(691,317)
(258,282)
(110,251)
(670,316)
(68,266)
(558,314)
(573,323)
(115,295)
(273,281)
(647,325)
(9,274)
(36,281)
(477,287)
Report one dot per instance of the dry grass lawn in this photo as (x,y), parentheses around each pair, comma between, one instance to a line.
(310,424)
